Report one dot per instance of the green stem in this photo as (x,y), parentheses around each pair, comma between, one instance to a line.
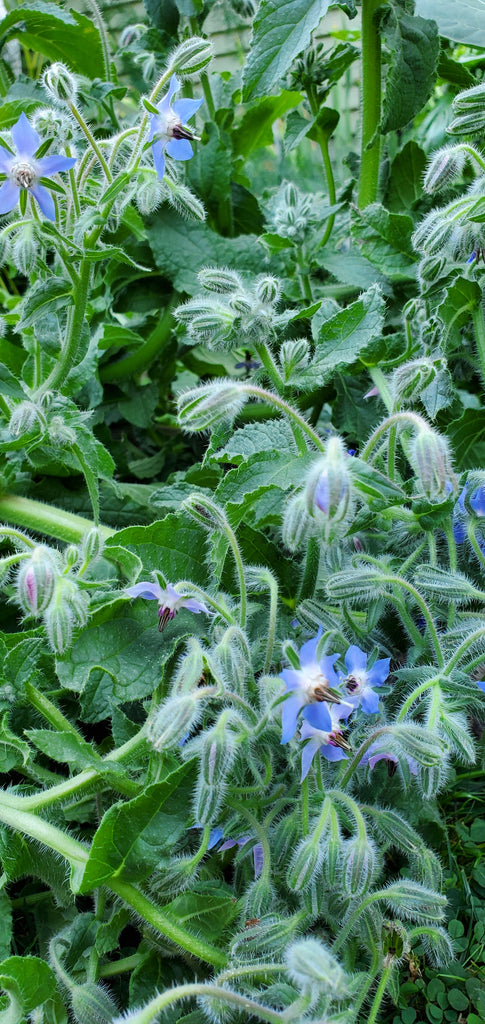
(479,325)
(151,1011)
(48,710)
(236,551)
(101,27)
(470,640)
(67,358)
(144,356)
(266,357)
(380,382)
(371,104)
(305,816)
(410,419)
(323,138)
(92,141)
(46,519)
(123,966)
(398,582)
(209,101)
(310,572)
(72,179)
(391,453)
(272,399)
(414,696)
(350,769)
(354,809)
(379,994)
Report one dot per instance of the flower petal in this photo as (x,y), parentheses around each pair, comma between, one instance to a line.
(308,653)
(326,665)
(179,149)
(318,716)
(45,200)
(6,160)
(49,165)
(158,158)
(292,678)
(185,109)
(379,672)
(289,715)
(149,591)
(307,755)
(333,753)
(369,701)
(9,196)
(194,606)
(355,659)
(25,138)
(477,501)
(258,859)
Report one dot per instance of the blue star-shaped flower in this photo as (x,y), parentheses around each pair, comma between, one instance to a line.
(320,727)
(169,600)
(168,131)
(24,170)
(309,683)
(359,682)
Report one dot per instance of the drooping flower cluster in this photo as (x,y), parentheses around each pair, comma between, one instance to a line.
(326,698)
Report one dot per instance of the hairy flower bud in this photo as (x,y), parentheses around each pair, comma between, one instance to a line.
(268,289)
(60,83)
(67,609)
(218,751)
(205,511)
(183,199)
(449,586)
(430,456)
(149,192)
(412,900)
(60,433)
(54,124)
(205,407)
(409,379)
(470,99)
(314,969)
(26,419)
(418,743)
(356,585)
(358,865)
(189,670)
(296,523)
(305,865)
(220,279)
(267,936)
(471,123)
(192,56)
(25,248)
(71,556)
(207,802)
(36,580)
(92,1004)
(433,234)
(172,720)
(294,356)
(445,165)
(328,488)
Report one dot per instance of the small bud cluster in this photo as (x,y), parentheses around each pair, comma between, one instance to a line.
(290,213)
(232,313)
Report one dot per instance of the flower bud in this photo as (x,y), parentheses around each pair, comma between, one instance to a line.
(131,34)
(313,968)
(71,556)
(445,165)
(431,269)
(268,936)
(54,124)
(468,124)
(433,234)
(220,279)
(357,585)
(190,669)
(25,248)
(418,743)
(242,303)
(218,752)
(432,778)
(172,720)
(259,897)
(305,865)
(294,356)
(192,56)
(358,865)
(26,419)
(205,511)
(205,407)
(149,192)
(430,456)
(449,586)
(207,802)
(92,545)
(67,609)
(328,487)
(412,900)
(268,289)
(470,99)
(232,655)
(60,433)
(60,83)
(92,1004)
(296,523)
(183,199)
(409,379)
(35,581)
(438,946)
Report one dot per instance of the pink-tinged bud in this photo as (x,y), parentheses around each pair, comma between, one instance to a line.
(35,581)
(67,609)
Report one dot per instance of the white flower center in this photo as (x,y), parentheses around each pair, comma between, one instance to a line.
(314,683)
(355,682)
(23,174)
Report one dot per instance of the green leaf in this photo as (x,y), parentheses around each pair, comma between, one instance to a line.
(454,72)
(351,334)
(457,999)
(172,545)
(461,21)
(477,830)
(69,749)
(467,437)
(13,751)
(131,836)
(242,485)
(415,46)
(461,298)
(282,29)
(44,297)
(5,924)
(10,387)
(108,933)
(255,129)
(372,483)
(181,248)
(254,438)
(385,239)
(59,35)
(406,178)
(20,857)
(29,982)
(206,910)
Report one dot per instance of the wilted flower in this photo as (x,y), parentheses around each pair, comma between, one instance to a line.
(375,753)
(320,727)
(168,131)
(25,171)
(169,601)
(310,683)
(359,682)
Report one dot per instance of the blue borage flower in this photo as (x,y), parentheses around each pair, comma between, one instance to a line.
(24,170)
(313,681)
(460,515)
(320,728)
(169,601)
(376,753)
(359,682)
(168,131)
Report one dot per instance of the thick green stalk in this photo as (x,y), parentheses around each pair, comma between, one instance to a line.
(145,354)
(46,519)
(371,104)
(67,357)
(479,325)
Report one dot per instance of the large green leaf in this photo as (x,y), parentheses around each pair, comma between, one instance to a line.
(255,129)
(174,545)
(406,178)
(44,297)
(242,485)
(282,29)
(415,46)
(206,910)
(58,34)
(461,20)
(269,436)
(29,982)
(385,239)
(467,437)
(181,248)
(461,298)
(131,836)
(351,334)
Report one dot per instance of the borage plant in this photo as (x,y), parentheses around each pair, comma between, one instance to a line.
(245,797)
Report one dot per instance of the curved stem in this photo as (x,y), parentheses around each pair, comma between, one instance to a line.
(399,582)
(144,356)
(406,418)
(101,27)
(150,1012)
(92,141)
(379,994)
(479,325)
(272,399)
(462,649)
(46,519)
